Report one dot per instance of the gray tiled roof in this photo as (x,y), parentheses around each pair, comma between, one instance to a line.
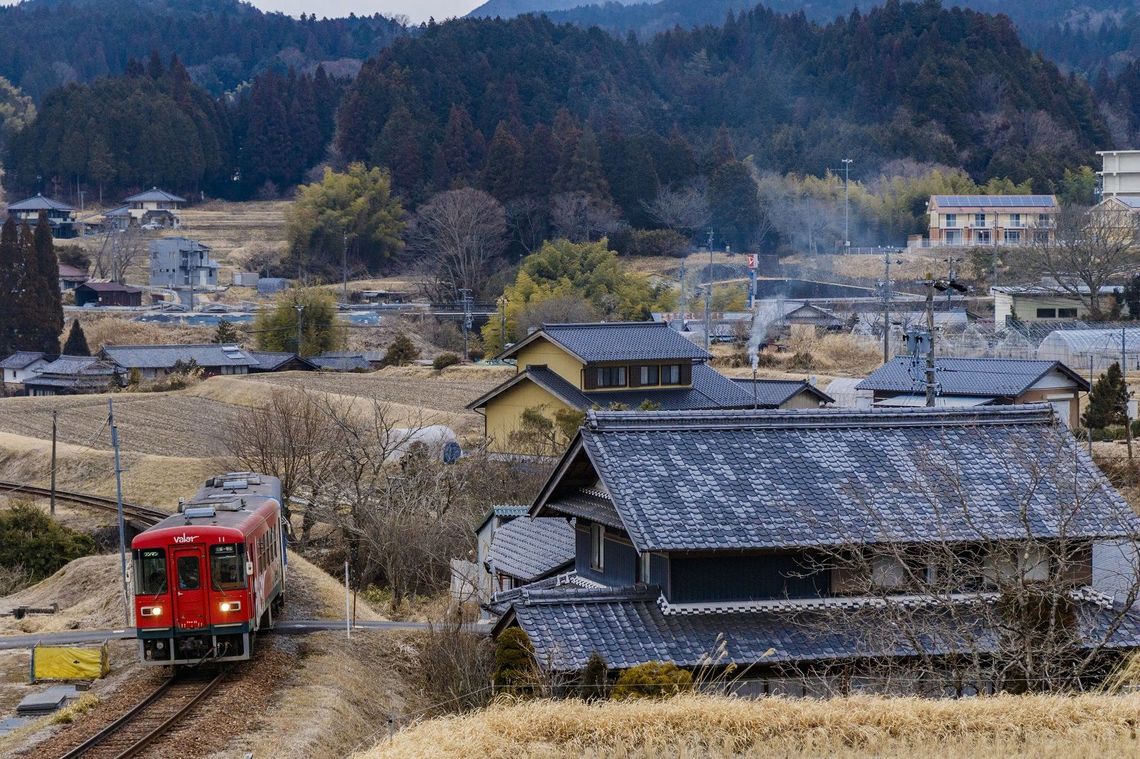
(529,549)
(21,360)
(355,362)
(1008,377)
(588,506)
(627,627)
(110,287)
(773,393)
(619,341)
(166,356)
(40,203)
(72,364)
(154,195)
(750,480)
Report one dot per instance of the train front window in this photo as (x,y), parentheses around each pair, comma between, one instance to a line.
(227,570)
(150,572)
(189,576)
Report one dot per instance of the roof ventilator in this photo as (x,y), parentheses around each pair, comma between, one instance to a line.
(199,512)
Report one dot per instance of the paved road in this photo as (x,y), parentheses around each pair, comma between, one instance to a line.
(298,627)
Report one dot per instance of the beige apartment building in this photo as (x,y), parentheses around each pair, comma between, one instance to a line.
(973,220)
(1120,173)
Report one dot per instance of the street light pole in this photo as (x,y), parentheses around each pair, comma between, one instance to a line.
(300,308)
(846,205)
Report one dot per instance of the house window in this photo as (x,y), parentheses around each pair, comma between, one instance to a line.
(671,375)
(597,547)
(1015,220)
(952,237)
(951,220)
(1046,313)
(643,567)
(983,235)
(611,376)
(1012,235)
(1043,220)
(979,220)
(650,375)
(1066,313)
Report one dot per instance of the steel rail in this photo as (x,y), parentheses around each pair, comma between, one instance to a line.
(142,743)
(142,514)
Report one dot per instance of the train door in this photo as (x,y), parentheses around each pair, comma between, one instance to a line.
(189,589)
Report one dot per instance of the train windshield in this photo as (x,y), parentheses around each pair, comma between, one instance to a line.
(150,571)
(227,568)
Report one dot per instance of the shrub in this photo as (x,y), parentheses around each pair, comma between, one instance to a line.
(593,683)
(802,361)
(475,353)
(653,679)
(401,351)
(31,539)
(514,662)
(453,664)
(444,360)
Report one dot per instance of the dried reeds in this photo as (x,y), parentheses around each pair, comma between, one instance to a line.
(695,725)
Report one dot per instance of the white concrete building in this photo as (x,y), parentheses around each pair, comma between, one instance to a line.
(1120,173)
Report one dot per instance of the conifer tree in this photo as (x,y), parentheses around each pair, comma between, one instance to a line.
(8,313)
(76,344)
(46,301)
(502,174)
(583,172)
(227,333)
(1107,401)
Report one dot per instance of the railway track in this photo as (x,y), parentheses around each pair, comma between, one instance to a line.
(141,514)
(131,734)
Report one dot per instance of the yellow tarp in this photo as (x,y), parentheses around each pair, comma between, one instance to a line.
(69,663)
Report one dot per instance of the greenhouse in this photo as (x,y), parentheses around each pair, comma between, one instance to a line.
(1093,350)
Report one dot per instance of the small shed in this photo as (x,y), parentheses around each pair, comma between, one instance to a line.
(271,285)
(107,294)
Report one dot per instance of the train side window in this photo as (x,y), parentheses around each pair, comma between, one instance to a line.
(227,568)
(150,571)
(189,573)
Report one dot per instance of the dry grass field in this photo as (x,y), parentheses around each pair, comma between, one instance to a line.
(235,230)
(706,726)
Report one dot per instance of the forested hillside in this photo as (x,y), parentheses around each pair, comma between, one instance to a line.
(1080,34)
(154,126)
(48,43)
(906,81)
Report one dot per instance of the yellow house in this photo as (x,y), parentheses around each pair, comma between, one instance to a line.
(563,370)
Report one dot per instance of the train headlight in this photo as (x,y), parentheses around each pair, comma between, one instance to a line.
(227,606)
(151,611)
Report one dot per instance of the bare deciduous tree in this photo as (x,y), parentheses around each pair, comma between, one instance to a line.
(288,438)
(460,234)
(118,252)
(1084,248)
(684,210)
(528,218)
(580,217)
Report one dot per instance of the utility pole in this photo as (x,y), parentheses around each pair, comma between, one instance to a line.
(887,306)
(300,307)
(54,419)
(344,262)
(684,304)
(119,503)
(503,302)
(1127,395)
(930,344)
(846,205)
(708,294)
(465,295)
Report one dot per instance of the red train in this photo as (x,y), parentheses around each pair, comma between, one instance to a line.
(209,577)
